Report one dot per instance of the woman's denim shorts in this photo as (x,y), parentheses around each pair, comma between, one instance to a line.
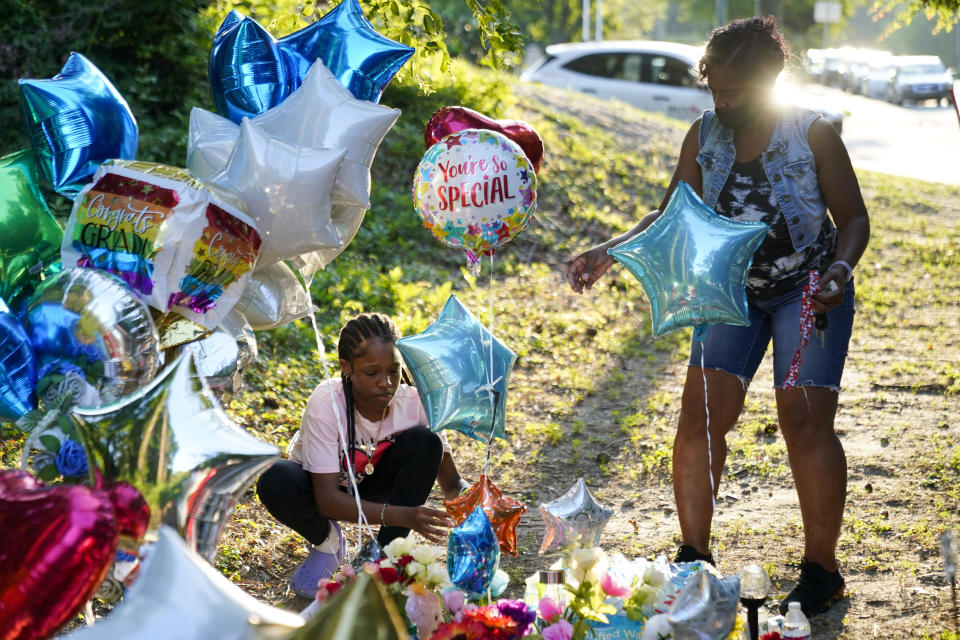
(739,350)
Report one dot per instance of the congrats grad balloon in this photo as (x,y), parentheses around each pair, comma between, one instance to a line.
(475,190)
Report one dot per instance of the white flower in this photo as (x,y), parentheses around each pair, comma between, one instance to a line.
(584,559)
(416,570)
(657,628)
(399,547)
(586,565)
(437,575)
(427,553)
(654,576)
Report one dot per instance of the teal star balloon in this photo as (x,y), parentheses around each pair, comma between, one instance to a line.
(693,264)
(452,368)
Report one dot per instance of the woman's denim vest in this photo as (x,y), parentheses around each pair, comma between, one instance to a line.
(788,162)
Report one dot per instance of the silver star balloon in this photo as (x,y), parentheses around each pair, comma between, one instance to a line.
(223,356)
(173,442)
(178,595)
(573,520)
(274,296)
(705,608)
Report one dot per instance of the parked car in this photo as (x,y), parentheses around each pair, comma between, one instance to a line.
(651,75)
(919,78)
(654,76)
(874,82)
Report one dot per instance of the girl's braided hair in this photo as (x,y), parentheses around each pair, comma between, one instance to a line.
(753,46)
(353,335)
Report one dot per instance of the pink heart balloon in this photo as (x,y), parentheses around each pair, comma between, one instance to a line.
(132,512)
(56,545)
(452,119)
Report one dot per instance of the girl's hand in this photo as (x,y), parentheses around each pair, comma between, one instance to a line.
(827,296)
(588,267)
(428,522)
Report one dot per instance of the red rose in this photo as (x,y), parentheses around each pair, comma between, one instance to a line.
(404,561)
(389,575)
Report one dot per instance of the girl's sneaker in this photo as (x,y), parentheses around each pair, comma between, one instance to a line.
(322,562)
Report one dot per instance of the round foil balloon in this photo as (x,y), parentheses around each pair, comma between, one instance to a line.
(29,235)
(452,119)
(76,120)
(475,190)
(90,321)
(693,263)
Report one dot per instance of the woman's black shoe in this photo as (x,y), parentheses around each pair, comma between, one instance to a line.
(816,590)
(686,553)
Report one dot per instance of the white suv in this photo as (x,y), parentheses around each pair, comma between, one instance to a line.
(654,76)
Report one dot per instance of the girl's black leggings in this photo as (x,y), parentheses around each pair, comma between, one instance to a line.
(404,477)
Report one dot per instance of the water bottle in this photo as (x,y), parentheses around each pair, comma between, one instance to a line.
(795,624)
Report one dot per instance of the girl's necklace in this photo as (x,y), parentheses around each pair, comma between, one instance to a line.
(369,449)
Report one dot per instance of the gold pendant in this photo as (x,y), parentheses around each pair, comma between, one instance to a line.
(368,469)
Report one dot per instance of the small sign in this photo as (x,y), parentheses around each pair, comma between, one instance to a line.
(827,11)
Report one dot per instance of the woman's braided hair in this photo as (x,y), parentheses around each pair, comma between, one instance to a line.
(753,46)
(353,335)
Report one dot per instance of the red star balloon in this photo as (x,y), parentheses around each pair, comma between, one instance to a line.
(504,513)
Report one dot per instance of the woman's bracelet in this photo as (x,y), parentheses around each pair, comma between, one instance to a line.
(383,512)
(845,265)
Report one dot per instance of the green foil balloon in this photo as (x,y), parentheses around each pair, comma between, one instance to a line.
(29,235)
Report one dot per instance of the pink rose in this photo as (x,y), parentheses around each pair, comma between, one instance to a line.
(549,610)
(612,588)
(562,630)
(453,600)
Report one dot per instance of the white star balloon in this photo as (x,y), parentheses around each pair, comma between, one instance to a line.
(179,595)
(573,520)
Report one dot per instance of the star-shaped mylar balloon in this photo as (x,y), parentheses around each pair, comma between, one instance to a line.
(173,442)
(504,513)
(362,60)
(178,595)
(693,264)
(76,121)
(30,237)
(362,611)
(473,553)
(450,364)
(287,190)
(574,520)
(247,70)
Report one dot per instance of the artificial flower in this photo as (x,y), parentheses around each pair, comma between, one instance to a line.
(399,547)
(519,612)
(437,575)
(491,618)
(389,575)
(427,554)
(612,588)
(416,570)
(657,628)
(453,600)
(549,609)
(423,609)
(654,576)
(560,630)
(460,630)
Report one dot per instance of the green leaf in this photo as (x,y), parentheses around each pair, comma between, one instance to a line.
(50,443)
(48,473)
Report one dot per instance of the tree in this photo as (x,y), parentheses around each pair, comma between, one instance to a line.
(945,12)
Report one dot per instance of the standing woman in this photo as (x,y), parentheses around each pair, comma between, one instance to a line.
(754,161)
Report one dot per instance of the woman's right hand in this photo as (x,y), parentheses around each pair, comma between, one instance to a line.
(431,523)
(587,268)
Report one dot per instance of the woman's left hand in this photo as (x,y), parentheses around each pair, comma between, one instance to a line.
(827,296)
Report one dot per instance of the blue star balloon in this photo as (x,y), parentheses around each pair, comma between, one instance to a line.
(76,120)
(692,263)
(247,70)
(18,368)
(473,553)
(450,366)
(362,59)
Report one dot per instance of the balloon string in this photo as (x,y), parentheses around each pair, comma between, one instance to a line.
(341,433)
(706,408)
(806,328)
(491,394)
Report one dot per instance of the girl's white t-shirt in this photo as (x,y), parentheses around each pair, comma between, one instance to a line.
(316,447)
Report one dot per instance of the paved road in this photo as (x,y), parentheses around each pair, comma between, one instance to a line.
(916,141)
